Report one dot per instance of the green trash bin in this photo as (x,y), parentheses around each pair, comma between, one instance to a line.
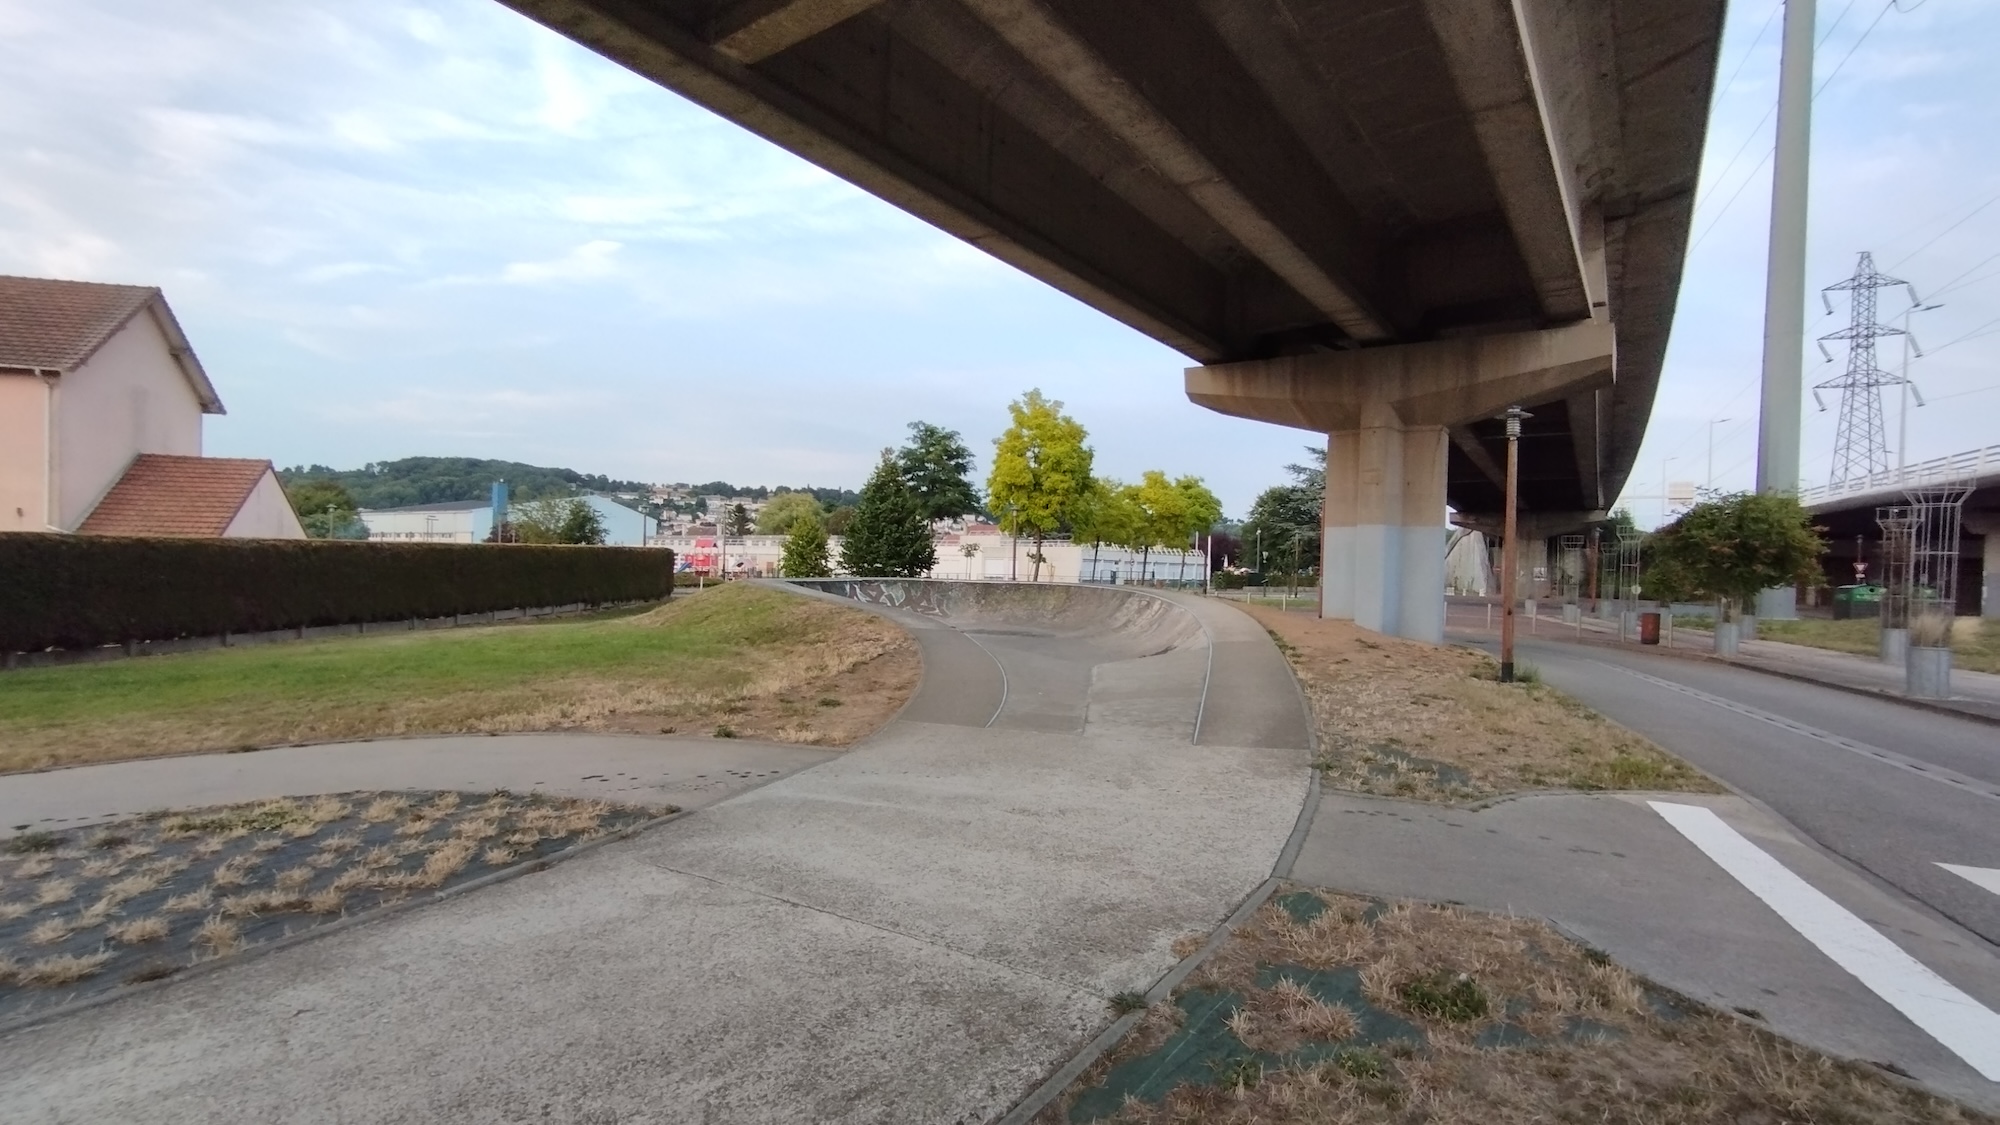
(1860,601)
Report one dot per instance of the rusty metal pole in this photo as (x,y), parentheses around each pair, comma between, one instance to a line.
(1508,548)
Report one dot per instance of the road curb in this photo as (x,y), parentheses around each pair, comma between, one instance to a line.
(204,968)
(1878,694)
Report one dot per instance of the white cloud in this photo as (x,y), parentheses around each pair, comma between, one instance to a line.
(593,259)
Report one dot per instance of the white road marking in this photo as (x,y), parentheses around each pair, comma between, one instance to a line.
(1907,764)
(1983,876)
(1966,1027)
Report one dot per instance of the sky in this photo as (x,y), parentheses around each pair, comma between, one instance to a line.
(430,227)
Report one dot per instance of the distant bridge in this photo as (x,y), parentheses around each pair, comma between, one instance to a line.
(1847,511)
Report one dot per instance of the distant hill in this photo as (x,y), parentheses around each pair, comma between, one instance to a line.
(442,480)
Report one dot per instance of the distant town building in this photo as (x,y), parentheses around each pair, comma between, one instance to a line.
(471,521)
(101,408)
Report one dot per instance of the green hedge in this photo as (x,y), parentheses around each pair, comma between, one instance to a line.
(80,591)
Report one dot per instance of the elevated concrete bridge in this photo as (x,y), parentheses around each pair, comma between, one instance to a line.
(1381,220)
(1847,511)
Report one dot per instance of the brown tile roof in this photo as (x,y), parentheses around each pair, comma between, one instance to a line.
(163,494)
(56,325)
(53,325)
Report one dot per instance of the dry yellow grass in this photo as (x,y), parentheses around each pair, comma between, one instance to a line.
(1405,719)
(59,970)
(1635,1064)
(139,930)
(218,935)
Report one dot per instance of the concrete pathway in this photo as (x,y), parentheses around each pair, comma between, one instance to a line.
(633,769)
(914,931)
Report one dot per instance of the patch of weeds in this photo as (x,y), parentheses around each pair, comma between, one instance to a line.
(1447,996)
(153,895)
(31,843)
(1525,673)
(1361,1063)
(1629,771)
(829,701)
(1124,1003)
(724,730)
(1240,1073)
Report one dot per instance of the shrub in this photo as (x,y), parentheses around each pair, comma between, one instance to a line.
(75,591)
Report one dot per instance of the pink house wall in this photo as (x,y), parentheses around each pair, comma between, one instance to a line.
(130,398)
(24,453)
(267,514)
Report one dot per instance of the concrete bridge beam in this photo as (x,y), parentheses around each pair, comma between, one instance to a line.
(1387,413)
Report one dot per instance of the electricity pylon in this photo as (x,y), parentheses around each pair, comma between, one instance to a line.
(1860,444)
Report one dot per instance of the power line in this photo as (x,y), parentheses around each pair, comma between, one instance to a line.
(1758,128)
(1961,222)
(1947,286)
(1962,394)
(1768,153)
(1972,335)
(1857,46)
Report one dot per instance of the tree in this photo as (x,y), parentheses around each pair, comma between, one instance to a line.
(1734,546)
(1041,470)
(736,522)
(938,468)
(325,509)
(889,535)
(1199,512)
(1162,513)
(1288,515)
(805,551)
(838,519)
(785,511)
(1104,514)
(564,520)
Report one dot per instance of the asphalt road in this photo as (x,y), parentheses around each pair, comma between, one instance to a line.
(1891,789)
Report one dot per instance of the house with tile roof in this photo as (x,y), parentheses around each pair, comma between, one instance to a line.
(101,408)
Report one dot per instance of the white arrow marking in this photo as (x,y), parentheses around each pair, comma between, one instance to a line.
(1966,1027)
(1984,876)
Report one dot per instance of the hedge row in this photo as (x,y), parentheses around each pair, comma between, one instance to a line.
(77,591)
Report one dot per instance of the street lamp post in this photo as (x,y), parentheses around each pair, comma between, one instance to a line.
(1903,414)
(1709,477)
(1666,503)
(1508,547)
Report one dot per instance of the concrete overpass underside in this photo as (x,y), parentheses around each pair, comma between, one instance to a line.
(1381,220)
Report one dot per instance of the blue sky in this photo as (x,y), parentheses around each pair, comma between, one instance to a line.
(399,228)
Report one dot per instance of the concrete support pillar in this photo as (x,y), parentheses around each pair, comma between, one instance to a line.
(1989,581)
(1382,551)
(1987,526)
(1387,412)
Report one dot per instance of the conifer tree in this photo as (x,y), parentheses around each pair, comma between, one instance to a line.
(889,536)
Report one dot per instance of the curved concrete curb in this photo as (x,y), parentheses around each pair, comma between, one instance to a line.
(204,968)
(1053,1086)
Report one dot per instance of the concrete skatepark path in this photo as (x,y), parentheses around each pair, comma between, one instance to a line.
(915,930)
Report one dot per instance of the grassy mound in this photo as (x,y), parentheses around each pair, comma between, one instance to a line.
(743,660)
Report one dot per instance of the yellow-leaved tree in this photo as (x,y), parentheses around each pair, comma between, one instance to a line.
(1041,471)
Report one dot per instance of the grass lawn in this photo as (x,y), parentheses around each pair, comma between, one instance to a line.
(1975,644)
(744,661)
(1328,1009)
(1401,719)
